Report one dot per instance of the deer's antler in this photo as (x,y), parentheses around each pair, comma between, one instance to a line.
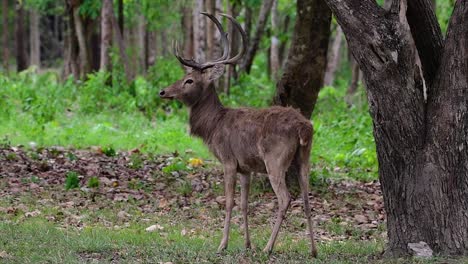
(224,43)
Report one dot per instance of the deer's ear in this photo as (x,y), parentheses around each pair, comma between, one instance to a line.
(214,72)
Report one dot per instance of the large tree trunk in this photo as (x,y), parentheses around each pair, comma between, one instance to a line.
(106,34)
(5,35)
(21,44)
(34,40)
(199,25)
(420,120)
(255,42)
(274,48)
(303,74)
(334,58)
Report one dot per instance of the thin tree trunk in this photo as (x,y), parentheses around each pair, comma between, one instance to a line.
(255,42)
(5,35)
(421,139)
(121,17)
(35,41)
(71,47)
(85,67)
(210,31)
(305,68)
(21,44)
(142,43)
(188,31)
(284,42)
(106,34)
(121,45)
(152,48)
(353,86)
(199,25)
(248,20)
(274,49)
(334,58)
(234,44)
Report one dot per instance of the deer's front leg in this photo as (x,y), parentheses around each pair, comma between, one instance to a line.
(245,187)
(229,189)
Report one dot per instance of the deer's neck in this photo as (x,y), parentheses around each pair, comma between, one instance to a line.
(206,114)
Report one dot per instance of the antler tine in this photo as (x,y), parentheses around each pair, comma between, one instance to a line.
(188,63)
(244,40)
(224,40)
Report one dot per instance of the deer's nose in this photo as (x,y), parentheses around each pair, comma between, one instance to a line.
(161,93)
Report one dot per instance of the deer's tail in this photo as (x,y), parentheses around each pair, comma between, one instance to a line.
(305,131)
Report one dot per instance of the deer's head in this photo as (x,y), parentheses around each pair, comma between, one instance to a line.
(194,84)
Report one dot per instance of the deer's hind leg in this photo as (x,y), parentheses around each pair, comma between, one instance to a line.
(304,184)
(245,187)
(277,162)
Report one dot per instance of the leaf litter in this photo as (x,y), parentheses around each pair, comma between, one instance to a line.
(168,185)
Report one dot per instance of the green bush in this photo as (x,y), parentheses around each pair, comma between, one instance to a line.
(71,180)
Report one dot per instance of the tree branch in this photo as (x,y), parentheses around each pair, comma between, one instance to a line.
(427,36)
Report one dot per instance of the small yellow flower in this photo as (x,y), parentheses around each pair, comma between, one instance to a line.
(195,162)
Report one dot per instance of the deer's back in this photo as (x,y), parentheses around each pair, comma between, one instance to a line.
(246,135)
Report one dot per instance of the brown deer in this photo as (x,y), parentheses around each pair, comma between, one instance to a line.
(245,140)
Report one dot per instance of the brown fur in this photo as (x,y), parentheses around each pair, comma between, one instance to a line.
(247,140)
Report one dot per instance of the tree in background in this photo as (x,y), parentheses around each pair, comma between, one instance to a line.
(20,38)
(255,40)
(305,67)
(420,116)
(5,34)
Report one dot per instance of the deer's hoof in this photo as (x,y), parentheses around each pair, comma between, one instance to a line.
(267,250)
(221,248)
(314,253)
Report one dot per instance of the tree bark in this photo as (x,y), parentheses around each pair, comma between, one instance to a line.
(274,48)
(5,35)
(199,25)
(234,44)
(71,60)
(121,45)
(121,17)
(142,24)
(34,39)
(255,42)
(85,66)
(106,34)
(188,31)
(210,30)
(353,86)
(421,141)
(305,68)
(334,58)
(21,44)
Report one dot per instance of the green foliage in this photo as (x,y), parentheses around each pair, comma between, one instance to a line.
(109,151)
(136,161)
(71,180)
(93,182)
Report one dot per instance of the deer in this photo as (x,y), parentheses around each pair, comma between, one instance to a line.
(245,140)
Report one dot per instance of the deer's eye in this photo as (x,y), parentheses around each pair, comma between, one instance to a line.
(189,81)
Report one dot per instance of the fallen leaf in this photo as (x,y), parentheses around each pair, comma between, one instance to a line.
(154,228)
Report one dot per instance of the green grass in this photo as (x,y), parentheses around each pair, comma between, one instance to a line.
(37,241)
